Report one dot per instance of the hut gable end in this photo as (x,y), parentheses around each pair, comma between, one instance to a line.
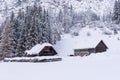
(101,47)
(47,51)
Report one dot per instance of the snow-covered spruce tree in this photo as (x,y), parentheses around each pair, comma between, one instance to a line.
(33,34)
(32,37)
(116,13)
(71,16)
(19,22)
(27,24)
(12,24)
(1,29)
(22,43)
(6,41)
(48,27)
(24,24)
(44,29)
(60,16)
(39,23)
(15,31)
(66,19)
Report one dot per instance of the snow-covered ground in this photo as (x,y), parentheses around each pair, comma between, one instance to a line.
(102,66)
(94,67)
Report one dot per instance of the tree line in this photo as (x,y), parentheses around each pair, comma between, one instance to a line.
(28,28)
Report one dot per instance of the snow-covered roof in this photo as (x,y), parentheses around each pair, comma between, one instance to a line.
(37,48)
(86,44)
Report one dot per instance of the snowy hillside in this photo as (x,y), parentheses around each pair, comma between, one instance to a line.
(87,37)
(100,7)
(101,66)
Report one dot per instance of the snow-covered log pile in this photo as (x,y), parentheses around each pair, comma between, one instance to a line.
(35,59)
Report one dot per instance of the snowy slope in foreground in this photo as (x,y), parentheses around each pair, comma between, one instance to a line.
(98,67)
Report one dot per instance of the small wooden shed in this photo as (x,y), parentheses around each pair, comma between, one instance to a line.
(96,48)
(45,49)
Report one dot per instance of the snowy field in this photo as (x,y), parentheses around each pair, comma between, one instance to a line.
(94,67)
(102,66)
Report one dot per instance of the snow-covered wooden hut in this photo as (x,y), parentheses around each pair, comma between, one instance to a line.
(93,47)
(46,49)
